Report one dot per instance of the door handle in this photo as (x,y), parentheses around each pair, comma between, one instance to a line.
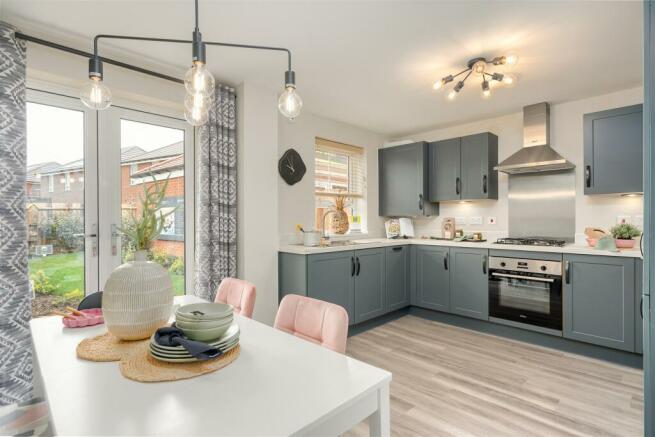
(567,272)
(457,184)
(484,184)
(420,202)
(352,266)
(115,235)
(445,261)
(526,278)
(484,264)
(587,176)
(396,249)
(641,308)
(359,267)
(94,235)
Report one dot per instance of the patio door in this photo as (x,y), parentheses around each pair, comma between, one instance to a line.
(138,151)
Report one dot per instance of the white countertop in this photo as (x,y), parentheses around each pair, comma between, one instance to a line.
(384,242)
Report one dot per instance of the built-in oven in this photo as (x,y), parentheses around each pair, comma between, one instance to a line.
(526,292)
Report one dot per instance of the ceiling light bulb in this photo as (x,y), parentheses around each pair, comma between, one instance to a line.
(290,102)
(479,67)
(511,60)
(198,79)
(197,100)
(452,95)
(509,79)
(196,115)
(486,92)
(95,94)
(438,84)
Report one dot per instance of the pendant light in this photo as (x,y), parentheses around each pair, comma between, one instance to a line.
(198,81)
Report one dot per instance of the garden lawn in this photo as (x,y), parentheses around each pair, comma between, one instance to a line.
(67,271)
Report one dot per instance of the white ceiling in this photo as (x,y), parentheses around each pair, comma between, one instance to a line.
(372,64)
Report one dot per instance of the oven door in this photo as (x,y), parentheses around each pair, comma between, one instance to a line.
(534,300)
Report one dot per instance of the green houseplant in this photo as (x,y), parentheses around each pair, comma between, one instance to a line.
(624,233)
(138,296)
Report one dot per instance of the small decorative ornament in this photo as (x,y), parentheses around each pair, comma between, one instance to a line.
(339,217)
(291,167)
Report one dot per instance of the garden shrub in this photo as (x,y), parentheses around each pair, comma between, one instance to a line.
(177,268)
(42,283)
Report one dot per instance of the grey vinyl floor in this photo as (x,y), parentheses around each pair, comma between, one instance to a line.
(449,381)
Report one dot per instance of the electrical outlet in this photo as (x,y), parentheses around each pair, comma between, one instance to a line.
(491,220)
(475,220)
(459,221)
(621,219)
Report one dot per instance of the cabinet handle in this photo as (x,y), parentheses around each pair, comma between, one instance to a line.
(484,184)
(457,183)
(420,202)
(359,267)
(484,264)
(445,261)
(352,266)
(587,175)
(641,308)
(396,249)
(567,272)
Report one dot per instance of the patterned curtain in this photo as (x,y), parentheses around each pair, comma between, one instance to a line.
(15,297)
(216,223)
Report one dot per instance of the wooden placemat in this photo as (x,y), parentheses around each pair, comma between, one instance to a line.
(106,347)
(141,366)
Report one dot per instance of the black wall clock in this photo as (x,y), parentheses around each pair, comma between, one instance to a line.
(291,167)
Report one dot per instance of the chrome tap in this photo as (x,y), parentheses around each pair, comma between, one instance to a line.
(325,234)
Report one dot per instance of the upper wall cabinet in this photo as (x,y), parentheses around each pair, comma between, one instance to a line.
(613,155)
(463,168)
(403,180)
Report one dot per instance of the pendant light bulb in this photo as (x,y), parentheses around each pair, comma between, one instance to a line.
(486,92)
(511,59)
(452,95)
(197,100)
(509,79)
(95,94)
(196,115)
(199,80)
(290,103)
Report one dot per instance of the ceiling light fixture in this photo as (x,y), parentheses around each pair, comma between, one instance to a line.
(479,66)
(198,81)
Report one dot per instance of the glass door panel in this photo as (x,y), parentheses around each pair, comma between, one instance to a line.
(62,260)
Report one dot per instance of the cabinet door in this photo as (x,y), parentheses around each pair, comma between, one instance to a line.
(639,315)
(479,154)
(613,152)
(330,277)
(397,277)
(370,284)
(444,170)
(432,278)
(469,286)
(402,182)
(599,300)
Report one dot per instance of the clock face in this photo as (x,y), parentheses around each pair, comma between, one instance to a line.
(291,167)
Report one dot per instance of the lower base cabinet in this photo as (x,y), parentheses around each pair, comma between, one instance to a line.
(432,278)
(370,284)
(599,300)
(397,273)
(469,284)
(330,277)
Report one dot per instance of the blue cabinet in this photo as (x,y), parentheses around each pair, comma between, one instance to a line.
(397,273)
(370,284)
(432,278)
(469,284)
(613,154)
(330,277)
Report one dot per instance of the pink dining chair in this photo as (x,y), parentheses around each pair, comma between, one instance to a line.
(314,320)
(238,293)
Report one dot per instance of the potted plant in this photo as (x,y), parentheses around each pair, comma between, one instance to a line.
(623,235)
(138,296)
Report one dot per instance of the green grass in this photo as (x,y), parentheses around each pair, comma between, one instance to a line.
(67,271)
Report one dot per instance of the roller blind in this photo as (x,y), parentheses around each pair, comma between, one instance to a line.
(340,169)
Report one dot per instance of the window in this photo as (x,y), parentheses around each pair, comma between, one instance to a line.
(340,174)
(133,169)
(51,184)
(67,182)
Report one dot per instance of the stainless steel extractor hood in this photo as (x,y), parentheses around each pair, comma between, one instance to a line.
(536,154)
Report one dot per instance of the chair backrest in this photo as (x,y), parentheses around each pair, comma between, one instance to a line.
(93,300)
(238,293)
(314,320)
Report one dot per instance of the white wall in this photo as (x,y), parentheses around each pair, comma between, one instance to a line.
(566,137)
(297,201)
(257,179)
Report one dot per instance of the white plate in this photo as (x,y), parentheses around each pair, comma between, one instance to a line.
(159,349)
(185,354)
(233,331)
(185,360)
(205,311)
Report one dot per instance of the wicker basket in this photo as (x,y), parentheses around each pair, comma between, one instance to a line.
(137,299)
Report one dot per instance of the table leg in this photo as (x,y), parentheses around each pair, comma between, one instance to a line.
(380,422)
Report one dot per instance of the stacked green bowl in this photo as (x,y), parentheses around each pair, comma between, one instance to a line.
(204,321)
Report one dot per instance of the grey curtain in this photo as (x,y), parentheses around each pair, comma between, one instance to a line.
(15,297)
(216,205)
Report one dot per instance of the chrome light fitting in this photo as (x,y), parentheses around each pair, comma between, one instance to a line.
(198,80)
(479,66)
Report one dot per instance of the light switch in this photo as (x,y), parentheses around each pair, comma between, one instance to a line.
(475,220)
(459,221)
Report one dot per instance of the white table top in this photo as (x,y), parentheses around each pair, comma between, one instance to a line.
(279,385)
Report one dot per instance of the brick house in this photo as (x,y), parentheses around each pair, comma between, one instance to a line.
(51,185)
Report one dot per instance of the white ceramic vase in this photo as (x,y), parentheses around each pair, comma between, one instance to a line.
(137,299)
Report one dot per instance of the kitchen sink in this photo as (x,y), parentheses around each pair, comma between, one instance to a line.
(338,243)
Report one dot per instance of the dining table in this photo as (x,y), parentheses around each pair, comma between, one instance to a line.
(280,385)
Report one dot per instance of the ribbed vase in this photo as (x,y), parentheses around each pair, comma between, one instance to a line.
(137,299)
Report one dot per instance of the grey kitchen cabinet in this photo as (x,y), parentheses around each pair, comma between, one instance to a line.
(639,316)
(469,283)
(330,277)
(397,274)
(403,179)
(432,278)
(444,170)
(613,154)
(599,300)
(370,284)
(463,168)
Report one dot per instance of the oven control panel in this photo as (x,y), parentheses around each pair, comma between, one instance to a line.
(526,265)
